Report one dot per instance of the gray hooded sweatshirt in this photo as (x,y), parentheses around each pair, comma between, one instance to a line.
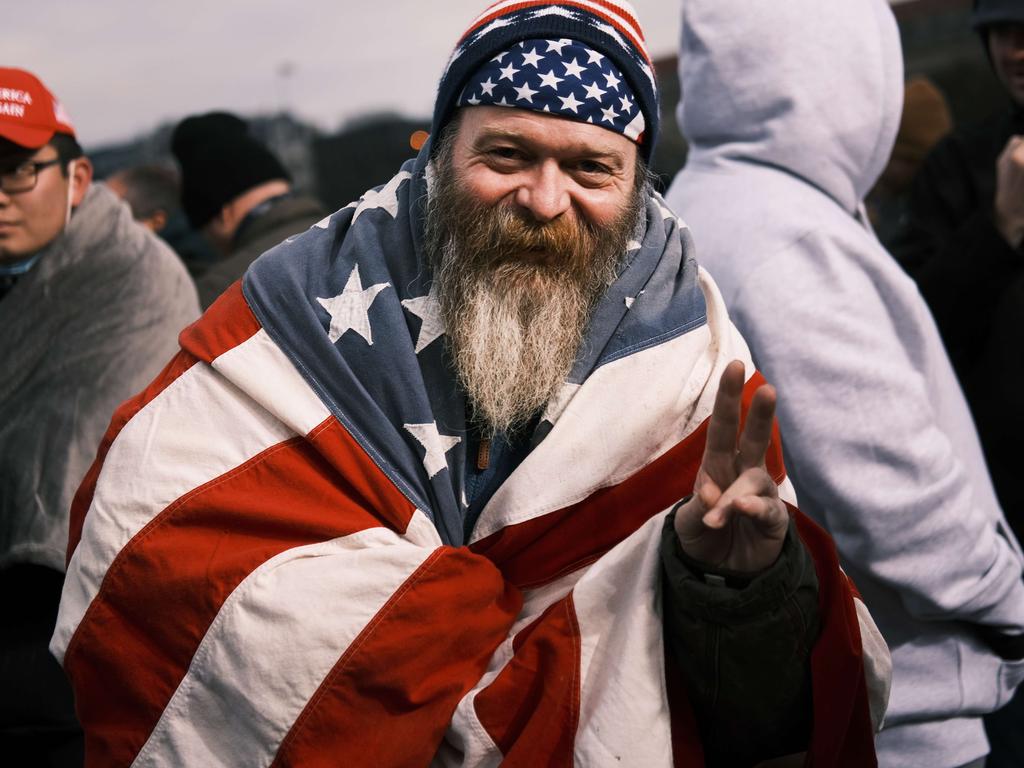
(87,327)
(791,110)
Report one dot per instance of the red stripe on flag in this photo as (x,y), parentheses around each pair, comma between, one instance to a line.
(361,477)
(842,734)
(135,643)
(853,588)
(531,710)
(391,695)
(540,550)
(226,324)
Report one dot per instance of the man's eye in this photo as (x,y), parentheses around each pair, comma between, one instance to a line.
(23,171)
(593,168)
(505,153)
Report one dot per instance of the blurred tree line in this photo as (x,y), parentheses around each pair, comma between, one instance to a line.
(338,167)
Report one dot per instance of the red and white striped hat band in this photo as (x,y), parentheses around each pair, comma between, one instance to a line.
(620,15)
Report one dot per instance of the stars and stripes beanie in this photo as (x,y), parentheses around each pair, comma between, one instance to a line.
(581,59)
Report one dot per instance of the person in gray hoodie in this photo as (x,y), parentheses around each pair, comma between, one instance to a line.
(791,110)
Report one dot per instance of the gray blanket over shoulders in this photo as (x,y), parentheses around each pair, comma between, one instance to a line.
(93,321)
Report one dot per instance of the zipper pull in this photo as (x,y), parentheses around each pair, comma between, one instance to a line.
(483,454)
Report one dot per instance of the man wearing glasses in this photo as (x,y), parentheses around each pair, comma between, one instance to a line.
(90,307)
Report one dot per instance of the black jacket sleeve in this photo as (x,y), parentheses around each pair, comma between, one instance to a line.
(950,244)
(743,651)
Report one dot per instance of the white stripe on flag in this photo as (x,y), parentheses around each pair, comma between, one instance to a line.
(621,628)
(877,664)
(273,642)
(264,372)
(198,428)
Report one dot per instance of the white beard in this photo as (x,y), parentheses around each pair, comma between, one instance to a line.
(514,335)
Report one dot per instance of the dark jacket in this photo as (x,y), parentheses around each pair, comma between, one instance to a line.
(742,647)
(283,218)
(973,281)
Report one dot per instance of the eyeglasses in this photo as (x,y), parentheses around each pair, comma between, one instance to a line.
(24,177)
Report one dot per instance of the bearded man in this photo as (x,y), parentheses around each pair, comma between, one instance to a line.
(458,475)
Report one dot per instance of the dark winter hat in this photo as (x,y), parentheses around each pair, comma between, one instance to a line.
(605,29)
(219,161)
(996,11)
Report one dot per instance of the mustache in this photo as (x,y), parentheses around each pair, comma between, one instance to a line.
(503,234)
(497,243)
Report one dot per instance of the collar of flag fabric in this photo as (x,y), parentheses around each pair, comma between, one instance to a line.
(562,77)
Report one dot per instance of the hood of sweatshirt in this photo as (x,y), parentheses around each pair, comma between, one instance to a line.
(811,87)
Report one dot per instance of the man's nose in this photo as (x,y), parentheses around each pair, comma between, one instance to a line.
(544,194)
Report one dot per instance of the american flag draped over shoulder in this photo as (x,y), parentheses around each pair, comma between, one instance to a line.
(267,567)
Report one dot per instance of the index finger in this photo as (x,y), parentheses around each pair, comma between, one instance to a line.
(725,416)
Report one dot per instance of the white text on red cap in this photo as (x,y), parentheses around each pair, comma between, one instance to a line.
(11,94)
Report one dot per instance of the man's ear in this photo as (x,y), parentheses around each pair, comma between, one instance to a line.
(157,221)
(81,178)
(225,218)
(231,215)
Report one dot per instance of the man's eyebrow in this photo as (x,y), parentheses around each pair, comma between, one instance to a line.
(579,151)
(500,134)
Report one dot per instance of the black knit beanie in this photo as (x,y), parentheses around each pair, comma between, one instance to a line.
(988,12)
(607,26)
(219,161)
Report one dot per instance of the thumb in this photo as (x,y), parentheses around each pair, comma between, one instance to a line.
(690,516)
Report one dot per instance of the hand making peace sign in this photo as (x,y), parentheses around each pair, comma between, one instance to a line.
(735,519)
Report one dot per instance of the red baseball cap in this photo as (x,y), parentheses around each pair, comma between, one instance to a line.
(29,113)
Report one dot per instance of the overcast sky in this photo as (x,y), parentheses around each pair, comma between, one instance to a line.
(123,66)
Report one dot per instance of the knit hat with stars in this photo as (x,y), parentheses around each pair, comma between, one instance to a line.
(581,59)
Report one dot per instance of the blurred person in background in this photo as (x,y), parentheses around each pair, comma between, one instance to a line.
(962,244)
(875,428)
(446,478)
(925,120)
(90,306)
(237,193)
(151,191)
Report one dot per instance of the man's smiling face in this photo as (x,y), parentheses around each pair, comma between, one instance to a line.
(527,225)
(544,167)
